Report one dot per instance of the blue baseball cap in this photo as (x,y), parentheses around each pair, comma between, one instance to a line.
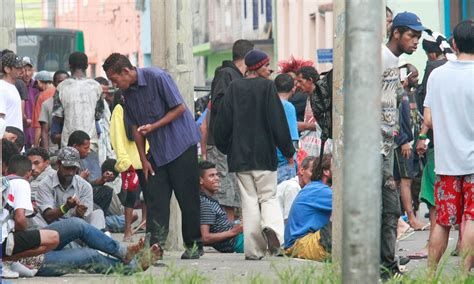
(407,19)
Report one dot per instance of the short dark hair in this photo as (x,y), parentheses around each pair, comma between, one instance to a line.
(20,136)
(102,81)
(78,137)
(38,151)
(309,72)
(109,165)
(78,61)
(464,36)
(388,10)
(284,83)
(306,161)
(400,29)
(240,48)
(204,166)
(59,72)
(116,62)
(9,149)
(318,170)
(19,165)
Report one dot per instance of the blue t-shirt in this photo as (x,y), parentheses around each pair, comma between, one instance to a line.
(290,113)
(309,212)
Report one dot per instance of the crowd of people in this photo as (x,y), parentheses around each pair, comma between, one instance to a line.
(79,155)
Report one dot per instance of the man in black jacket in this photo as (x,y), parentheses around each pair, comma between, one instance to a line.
(228,194)
(250,125)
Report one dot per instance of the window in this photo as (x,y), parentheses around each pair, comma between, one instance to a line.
(268,11)
(255,14)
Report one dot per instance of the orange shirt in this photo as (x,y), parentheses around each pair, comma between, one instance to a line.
(43,96)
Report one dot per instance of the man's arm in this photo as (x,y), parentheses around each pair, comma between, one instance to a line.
(204,132)
(223,126)
(44,135)
(20,220)
(170,116)
(211,238)
(279,124)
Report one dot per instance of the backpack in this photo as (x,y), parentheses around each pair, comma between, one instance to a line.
(321,105)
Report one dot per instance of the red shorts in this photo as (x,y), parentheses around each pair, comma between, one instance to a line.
(454,199)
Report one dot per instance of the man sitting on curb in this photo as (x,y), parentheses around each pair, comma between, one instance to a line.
(308,230)
(216,229)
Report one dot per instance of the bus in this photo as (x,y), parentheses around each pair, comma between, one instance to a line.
(49,48)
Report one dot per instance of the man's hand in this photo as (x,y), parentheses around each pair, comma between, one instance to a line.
(81,210)
(85,174)
(406,150)
(71,202)
(108,176)
(147,169)
(237,229)
(421,147)
(145,129)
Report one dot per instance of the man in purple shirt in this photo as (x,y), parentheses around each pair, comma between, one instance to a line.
(33,93)
(156,110)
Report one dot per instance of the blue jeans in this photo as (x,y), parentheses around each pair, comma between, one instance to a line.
(115,223)
(60,262)
(285,172)
(74,228)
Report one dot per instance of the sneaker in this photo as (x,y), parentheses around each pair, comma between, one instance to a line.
(272,241)
(192,253)
(403,260)
(7,273)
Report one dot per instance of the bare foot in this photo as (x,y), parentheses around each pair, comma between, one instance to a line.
(418,225)
(127,235)
(151,256)
(133,249)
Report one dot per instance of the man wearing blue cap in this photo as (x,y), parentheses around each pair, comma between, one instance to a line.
(404,37)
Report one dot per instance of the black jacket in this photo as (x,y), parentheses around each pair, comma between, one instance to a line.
(222,78)
(250,124)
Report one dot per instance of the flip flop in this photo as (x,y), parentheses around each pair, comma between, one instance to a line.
(418,255)
(143,223)
(424,228)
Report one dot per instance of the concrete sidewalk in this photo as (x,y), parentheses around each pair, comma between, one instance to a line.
(232,268)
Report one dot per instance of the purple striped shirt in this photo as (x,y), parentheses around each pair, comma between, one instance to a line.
(146,102)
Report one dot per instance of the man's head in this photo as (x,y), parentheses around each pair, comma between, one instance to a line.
(68,163)
(109,166)
(389,19)
(120,71)
(81,141)
(59,76)
(306,79)
(323,172)
(431,47)
(406,32)
(306,170)
(9,149)
(104,83)
(19,165)
(258,61)
(78,61)
(28,70)
(15,135)
(284,84)
(12,67)
(208,177)
(39,158)
(463,35)
(240,48)
(44,79)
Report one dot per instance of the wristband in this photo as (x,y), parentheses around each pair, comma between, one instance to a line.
(422,137)
(62,209)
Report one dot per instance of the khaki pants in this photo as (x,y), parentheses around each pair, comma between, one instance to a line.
(308,247)
(260,210)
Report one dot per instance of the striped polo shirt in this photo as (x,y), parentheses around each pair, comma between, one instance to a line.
(213,215)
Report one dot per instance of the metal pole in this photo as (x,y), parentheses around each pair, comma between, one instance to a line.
(362,158)
(7,25)
(338,129)
(171,50)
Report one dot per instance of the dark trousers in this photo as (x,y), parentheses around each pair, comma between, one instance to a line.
(390,214)
(102,195)
(181,176)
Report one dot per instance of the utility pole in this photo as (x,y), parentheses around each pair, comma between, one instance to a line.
(362,159)
(7,25)
(338,129)
(171,50)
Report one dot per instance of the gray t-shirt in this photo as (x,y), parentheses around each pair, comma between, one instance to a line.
(46,116)
(450,97)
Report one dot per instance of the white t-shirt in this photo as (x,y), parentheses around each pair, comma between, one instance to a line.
(450,96)
(18,197)
(286,194)
(391,89)
(10,104)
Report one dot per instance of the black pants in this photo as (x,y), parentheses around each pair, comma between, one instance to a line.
(390,215)
(181,176)
(102,195)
